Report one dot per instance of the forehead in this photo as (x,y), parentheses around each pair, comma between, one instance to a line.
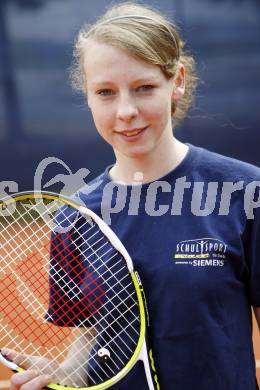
(104,62)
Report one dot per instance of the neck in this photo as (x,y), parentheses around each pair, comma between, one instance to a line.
(151,166)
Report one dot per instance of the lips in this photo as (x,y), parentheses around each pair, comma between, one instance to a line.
(132,132)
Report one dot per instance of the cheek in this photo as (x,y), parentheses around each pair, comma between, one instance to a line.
(159,111)
(102,117)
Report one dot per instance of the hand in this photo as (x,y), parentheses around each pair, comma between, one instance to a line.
(29,380)
(32,379)
(39,372)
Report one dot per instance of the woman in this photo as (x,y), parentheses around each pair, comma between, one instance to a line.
(197,254)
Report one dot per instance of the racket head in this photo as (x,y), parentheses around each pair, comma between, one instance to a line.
(43,240)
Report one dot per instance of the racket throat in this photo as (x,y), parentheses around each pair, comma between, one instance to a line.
(149,367)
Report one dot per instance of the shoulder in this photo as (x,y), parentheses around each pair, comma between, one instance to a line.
(216,166)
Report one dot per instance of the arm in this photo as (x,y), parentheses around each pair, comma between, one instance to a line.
(257,315)
(74,365)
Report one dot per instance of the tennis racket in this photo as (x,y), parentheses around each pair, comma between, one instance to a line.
(71,303)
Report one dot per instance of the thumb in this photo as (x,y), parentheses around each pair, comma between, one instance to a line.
(27,362)
(16,357)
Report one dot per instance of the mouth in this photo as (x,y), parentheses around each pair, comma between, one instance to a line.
(132,133)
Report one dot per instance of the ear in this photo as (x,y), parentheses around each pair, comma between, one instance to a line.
(179,83)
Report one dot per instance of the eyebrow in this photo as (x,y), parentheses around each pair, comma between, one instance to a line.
(147,79)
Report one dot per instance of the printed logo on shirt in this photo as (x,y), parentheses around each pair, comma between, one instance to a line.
(201,252)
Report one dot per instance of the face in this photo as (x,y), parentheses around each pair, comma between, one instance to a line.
(130,100)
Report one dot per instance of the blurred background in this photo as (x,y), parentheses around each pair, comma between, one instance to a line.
(40,116)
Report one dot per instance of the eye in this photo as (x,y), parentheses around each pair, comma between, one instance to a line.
(146,88)
(105,92)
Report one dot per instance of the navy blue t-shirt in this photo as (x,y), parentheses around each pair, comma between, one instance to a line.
(194,238)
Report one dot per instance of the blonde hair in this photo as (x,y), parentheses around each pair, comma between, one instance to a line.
(146,34)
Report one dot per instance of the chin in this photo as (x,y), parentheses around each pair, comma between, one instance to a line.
(136,152)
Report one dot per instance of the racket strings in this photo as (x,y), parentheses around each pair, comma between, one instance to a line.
(22,222)
(108,269)
(20,226)
(99,252)
(108,367)
(99,258)
(130,324)
(101,333)
(92,358)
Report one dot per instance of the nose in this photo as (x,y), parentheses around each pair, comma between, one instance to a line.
(127,108)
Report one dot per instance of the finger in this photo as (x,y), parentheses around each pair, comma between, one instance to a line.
(37,383)
(17,357)
(13,387)
(29,380)
(17,380)
(9,353)
(6,351)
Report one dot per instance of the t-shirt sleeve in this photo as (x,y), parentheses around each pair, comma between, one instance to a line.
(252,255)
